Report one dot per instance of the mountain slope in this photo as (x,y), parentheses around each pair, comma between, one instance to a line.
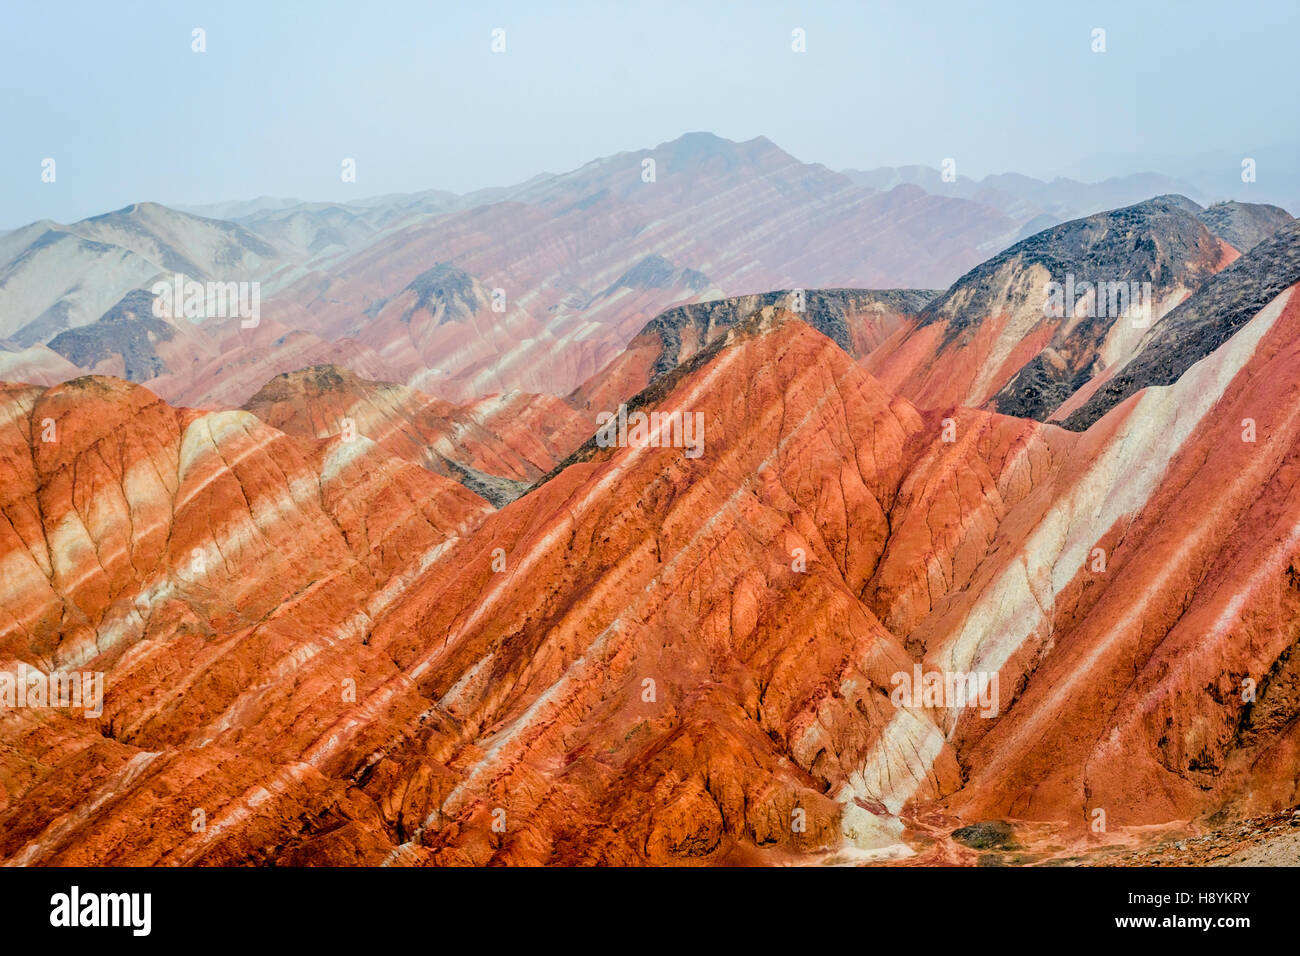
(857,320)
(742,680)
(998,338)
(1244,225)
(1201,324)
(1024,198)
(1172,693)
(517,437)
(129,341)
(652,656)
(62,277)
(199,559)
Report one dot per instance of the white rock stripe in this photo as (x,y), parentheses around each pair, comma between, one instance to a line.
(1116,484)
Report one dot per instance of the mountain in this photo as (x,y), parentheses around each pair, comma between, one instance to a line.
(857,320)
(1244,225)
(1216,174)
(131,342)
(1199,326)
(474,652)
(1167,690)
(581,261)
(367,600)
(999,337)
(55,277)
(656,656)
(496,446)
(1024,198)
(245,359)
(35,365)
(239,208)
(566,268)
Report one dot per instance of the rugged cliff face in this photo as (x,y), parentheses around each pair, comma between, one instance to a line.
(1200,325)
(1033,330)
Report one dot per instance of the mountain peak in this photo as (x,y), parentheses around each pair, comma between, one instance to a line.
(1244,225)
(449,286)
(693,150)
(656,272)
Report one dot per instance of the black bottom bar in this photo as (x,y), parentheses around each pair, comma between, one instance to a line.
(601,907)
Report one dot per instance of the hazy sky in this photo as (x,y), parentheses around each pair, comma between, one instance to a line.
(412,91)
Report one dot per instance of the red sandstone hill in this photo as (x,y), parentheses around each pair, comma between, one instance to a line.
(316,651)
(496,446)
(857,320)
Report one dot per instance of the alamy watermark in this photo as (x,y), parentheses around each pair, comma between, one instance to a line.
(654,430)
(208,300)
(947,689)
(133,911)
(32,687)
(1100,299)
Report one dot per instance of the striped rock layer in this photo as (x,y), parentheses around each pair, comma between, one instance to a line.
(316,651)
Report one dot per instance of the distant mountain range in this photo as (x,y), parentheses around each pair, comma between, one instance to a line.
(581,260)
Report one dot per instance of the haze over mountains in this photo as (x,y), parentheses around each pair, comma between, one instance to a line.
(579,263)
(366,587)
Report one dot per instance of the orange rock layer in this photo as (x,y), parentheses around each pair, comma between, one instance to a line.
(316,652)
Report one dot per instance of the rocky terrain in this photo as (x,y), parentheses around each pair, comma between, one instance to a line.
(1270,840)
(385,606)
(651,658)
(1201,324)
(516,437)
(857,320)
(1244,225)
(997,339)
